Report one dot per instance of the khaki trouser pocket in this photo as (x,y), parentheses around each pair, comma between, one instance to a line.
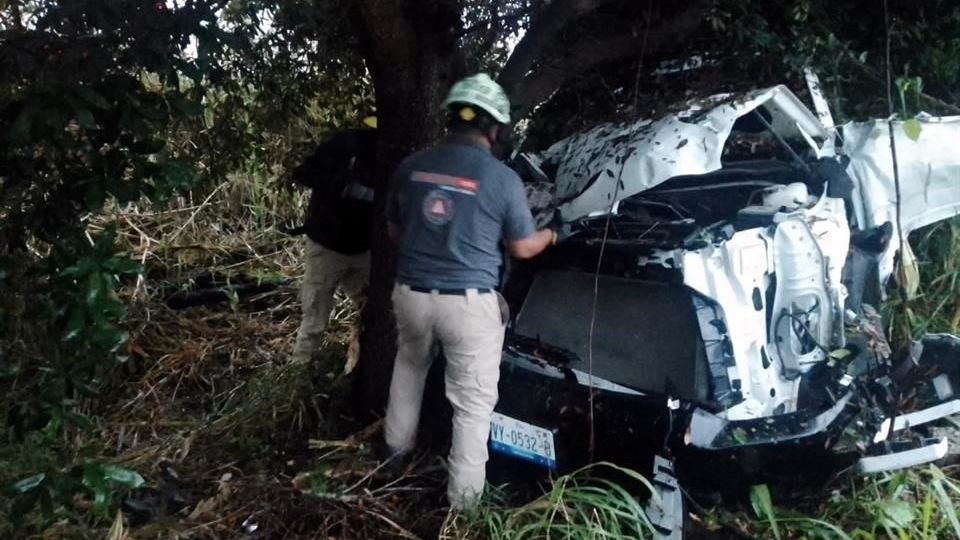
(504,309)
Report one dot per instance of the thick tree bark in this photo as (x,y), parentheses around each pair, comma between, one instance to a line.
(536,70)
(410,55)
(543,31)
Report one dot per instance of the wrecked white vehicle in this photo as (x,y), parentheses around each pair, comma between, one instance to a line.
(716,298)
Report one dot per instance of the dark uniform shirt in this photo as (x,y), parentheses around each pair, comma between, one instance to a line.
(453,204)
(340,174)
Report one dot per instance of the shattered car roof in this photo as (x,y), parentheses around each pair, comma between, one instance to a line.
(611,162)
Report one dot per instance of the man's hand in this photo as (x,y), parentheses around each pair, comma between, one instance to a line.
(561,229)
(531,246)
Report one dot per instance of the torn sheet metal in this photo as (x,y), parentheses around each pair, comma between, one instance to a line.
(713,432)
(665,507)
(928,451)
(614,161)
(929,172)
(820,104)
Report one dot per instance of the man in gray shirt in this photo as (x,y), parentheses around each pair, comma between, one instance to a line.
(450,208)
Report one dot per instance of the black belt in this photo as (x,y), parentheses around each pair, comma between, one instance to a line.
(450,292)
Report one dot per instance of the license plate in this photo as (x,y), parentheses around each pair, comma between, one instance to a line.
(519,439)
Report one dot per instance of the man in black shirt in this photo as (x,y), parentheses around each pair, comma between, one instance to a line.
(338,227)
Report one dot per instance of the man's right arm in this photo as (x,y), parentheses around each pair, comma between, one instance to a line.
(531,246)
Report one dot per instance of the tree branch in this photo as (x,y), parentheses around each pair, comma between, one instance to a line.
(542,31)
(549,76)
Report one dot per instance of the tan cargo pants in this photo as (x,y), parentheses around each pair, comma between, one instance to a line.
(470,329)
(324,271)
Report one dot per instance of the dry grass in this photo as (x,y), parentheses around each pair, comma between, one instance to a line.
(208,407)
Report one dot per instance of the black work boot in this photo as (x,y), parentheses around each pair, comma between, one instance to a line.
(392,462)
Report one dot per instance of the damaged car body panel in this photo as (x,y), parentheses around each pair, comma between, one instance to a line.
(711,306)
(928,168)
(615,161)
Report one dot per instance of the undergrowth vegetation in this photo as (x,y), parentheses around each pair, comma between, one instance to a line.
(935,306)
(919,503)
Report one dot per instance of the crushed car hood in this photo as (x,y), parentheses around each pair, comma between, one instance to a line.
(611,162)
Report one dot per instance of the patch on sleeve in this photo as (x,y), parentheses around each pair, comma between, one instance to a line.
(438,207)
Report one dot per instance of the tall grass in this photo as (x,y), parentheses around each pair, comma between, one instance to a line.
(936,306)
(581,505)
(918,504)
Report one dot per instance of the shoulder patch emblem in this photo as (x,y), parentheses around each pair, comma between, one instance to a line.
(438,207)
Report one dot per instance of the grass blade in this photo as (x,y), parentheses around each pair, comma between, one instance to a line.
(763,506)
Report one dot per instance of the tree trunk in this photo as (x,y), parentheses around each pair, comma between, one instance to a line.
(410,63)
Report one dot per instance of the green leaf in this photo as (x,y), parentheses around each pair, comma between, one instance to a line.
(93,475)
(101,500)
(896,514)
(119,339)
(123,265)
(102,479)
(104,244)
(84,388)
(147,146)
(73,272)
(85,118)
(188,107)
(94,196)
(94,98)
(912,129)
(22,125)
(95,288)
(762,505)
(75,324)
(840,354)
(124,477)
(739,435)
(943,498)
(30,483)
(176,175)
(81,421)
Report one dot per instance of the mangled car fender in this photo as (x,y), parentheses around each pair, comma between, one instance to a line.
(929,170)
